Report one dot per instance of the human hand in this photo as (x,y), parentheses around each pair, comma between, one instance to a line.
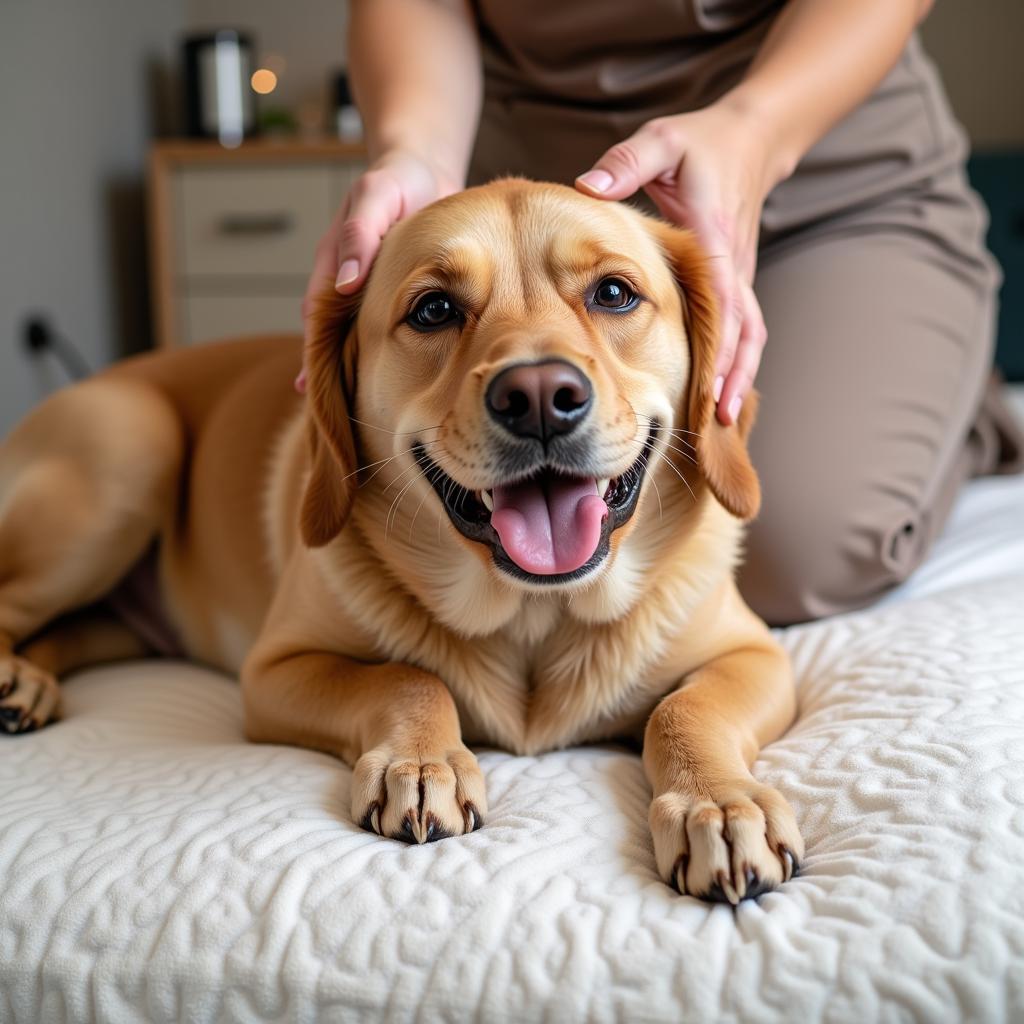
(709,171)
(392,188)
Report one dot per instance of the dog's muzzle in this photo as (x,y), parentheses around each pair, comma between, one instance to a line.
(549,521)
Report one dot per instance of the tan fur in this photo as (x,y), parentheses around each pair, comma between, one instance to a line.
(303,539)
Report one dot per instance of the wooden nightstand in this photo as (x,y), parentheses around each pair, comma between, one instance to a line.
(233,231)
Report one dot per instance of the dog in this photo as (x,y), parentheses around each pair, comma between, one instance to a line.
(504,513)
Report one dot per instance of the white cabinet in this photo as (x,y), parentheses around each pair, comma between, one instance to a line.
(233,233)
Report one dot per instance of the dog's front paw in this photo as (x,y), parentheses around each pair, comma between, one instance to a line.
(736,846)
(418,798)
(29,697)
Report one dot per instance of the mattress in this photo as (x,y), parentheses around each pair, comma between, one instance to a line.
(156,867)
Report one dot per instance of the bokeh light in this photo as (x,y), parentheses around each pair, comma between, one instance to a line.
(263,81)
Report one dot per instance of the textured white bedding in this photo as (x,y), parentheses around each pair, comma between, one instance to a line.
(154,866)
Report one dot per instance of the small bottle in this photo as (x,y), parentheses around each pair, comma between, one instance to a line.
(347,123)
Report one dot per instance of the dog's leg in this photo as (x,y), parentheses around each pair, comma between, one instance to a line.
(29,695)
(414,778)
(718,833)
(86,482)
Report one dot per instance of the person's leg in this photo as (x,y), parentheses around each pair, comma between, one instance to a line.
(879,347)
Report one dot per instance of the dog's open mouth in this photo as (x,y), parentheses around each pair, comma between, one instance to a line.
(550,527)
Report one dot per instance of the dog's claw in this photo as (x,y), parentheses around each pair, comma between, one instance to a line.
(435,831)
(472,817)
(790,865)
(728,889)
(371,820)
(679,874)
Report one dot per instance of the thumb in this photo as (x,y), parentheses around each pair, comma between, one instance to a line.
(628,166)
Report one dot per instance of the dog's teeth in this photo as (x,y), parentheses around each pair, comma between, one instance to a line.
(602,486)
(488,501)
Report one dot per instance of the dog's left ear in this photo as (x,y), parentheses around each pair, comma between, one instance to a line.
(722,454)
(330,355)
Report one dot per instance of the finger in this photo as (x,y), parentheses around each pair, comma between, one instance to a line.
(654,150)
(375,204)
(727,289)
(740,379)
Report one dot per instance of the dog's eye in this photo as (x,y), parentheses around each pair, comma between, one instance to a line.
(613,293)
(433,311)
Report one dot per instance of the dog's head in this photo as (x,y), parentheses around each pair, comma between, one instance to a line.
(531,361)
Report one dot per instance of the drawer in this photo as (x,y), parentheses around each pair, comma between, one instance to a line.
(241,222)
(212,317)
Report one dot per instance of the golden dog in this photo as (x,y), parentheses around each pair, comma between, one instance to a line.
(505,514)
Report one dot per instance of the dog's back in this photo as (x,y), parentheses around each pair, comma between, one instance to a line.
(182,440)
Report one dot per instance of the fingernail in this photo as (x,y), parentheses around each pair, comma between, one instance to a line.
(596,180)
(734,407)
(719,384)
(347,273)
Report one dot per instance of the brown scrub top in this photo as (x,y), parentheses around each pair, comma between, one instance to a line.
(567,79)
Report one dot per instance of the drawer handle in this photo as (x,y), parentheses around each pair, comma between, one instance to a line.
(256,223)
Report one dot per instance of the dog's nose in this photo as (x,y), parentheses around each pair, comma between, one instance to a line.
(539,399)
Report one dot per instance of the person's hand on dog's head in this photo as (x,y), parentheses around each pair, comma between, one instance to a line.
(392,188)
(710,171)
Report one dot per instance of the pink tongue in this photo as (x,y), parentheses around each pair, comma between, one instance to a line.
(551,525)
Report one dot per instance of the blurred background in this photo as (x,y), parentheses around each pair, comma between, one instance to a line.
(117,234)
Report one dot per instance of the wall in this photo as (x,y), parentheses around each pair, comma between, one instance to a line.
(977,46)
(77,81)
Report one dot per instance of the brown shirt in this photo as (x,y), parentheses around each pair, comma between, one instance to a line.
(566,79)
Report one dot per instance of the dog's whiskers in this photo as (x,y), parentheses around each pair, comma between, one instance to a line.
(675,469)
(394,433)
(668,444)
(668,462)
(405,472)
(668,430)
(392,516)
(381,463)
(657,490)
(685,454)
(434,473)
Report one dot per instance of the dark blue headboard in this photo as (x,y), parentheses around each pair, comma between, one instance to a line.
(999,177)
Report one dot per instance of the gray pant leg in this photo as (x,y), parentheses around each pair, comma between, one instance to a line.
(879,346)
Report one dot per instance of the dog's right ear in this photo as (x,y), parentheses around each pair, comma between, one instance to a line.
(330,356)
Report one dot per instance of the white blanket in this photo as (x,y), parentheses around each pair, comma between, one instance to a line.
(155,866)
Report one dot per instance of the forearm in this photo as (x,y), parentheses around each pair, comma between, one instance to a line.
(820,59)
(417,78)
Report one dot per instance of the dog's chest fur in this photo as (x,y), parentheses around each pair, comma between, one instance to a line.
(549,675)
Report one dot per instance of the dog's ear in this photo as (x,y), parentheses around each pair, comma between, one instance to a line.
(330,357)
(722,454)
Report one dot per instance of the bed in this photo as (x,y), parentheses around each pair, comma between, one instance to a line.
(156,867)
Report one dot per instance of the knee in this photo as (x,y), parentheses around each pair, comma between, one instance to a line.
(815,558)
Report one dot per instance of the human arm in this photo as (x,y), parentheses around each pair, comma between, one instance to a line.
(711,169)
(415,68)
